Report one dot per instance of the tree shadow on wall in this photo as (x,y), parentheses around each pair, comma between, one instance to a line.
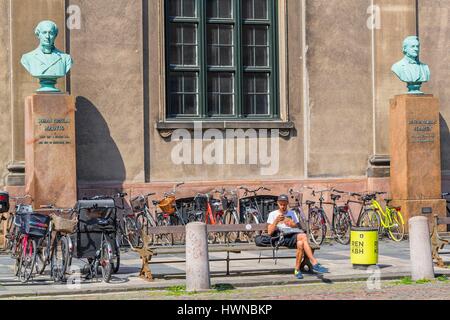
(98,157)
(445,149)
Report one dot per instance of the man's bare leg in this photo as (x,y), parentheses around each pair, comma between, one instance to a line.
(307,248)
(300,253)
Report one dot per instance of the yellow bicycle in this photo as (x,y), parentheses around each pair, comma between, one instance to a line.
(388,221)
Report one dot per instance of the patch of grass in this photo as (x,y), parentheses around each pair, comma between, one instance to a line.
(223,288)
(178,291)
(423,281)
(442,278)
(404,281)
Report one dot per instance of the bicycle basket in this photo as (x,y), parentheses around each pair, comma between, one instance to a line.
(35,225)
(138,203)
(65,226)
(168,205)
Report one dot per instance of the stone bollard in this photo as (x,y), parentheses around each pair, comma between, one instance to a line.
(420,249)
(197,258)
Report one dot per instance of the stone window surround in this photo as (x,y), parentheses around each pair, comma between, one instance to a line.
(158,92)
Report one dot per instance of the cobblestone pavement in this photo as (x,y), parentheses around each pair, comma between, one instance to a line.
(393,264)
(390,290)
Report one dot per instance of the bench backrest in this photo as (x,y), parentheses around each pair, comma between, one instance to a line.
(211,228)
(443,220)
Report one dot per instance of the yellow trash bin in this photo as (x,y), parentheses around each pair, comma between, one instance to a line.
(364,247)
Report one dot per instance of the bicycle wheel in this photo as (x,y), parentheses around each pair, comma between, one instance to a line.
(116,261)
(230,218)
(251,217)
(132,232)
(369,219)
(27,260)
(397,229)
(106,263)
(43,254)
(341,226)
(164,239)
(60,259)
(317,226)
(8,245)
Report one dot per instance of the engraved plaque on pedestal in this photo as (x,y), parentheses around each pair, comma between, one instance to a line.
(50,150)
(416,155)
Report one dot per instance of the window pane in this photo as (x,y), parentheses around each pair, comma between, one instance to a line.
(261,34)
(220,45)
(255,9)
(256,94)
(219,9)
(261,57)
(175,8)
(227,104)
(183,44)
(189,8)
(190,104)
(182,8)
(262,104)
(255,46)
(260,9)
(220,93)
(247,9)
(183,93)
(175,104)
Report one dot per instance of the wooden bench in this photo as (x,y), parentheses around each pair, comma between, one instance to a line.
(229,248)
(438,242)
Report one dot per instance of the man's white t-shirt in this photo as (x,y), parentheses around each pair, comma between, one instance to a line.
(289,214)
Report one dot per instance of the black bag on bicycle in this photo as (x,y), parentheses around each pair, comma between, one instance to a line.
(35,225)
(265,241)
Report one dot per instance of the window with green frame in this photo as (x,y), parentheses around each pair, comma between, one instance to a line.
(221,59)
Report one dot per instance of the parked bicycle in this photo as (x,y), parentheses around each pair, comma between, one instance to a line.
(388,221)
(319,223)
(33,229)
(13,224)
(96,237)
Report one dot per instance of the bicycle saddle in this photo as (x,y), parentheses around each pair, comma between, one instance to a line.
(310,203)
(245,201)
(335,197)
(369,197)
(103,222)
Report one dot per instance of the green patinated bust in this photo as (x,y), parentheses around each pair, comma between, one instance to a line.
(47,63)
(410,69)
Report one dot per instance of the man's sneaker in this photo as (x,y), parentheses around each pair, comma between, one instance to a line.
(319,268)
(298,275)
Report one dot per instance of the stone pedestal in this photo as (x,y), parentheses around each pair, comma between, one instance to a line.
(416,156)
(50,150)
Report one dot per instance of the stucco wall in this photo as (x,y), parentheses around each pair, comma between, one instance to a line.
(340,87)
(5,91)
(107,81)
(118,107)
(290,150)
(434,31)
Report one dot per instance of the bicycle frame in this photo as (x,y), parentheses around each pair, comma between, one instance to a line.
(385,215)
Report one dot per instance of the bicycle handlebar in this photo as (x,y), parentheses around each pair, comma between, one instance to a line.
(21,198)
(247,190)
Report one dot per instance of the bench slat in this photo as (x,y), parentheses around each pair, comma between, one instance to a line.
(444,220)
(222,248)
(211,228)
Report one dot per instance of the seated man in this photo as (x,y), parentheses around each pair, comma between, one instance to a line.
(283,218)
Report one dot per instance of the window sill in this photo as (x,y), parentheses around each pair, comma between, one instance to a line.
(166,128)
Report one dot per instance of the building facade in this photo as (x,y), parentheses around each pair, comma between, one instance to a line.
(315,72)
